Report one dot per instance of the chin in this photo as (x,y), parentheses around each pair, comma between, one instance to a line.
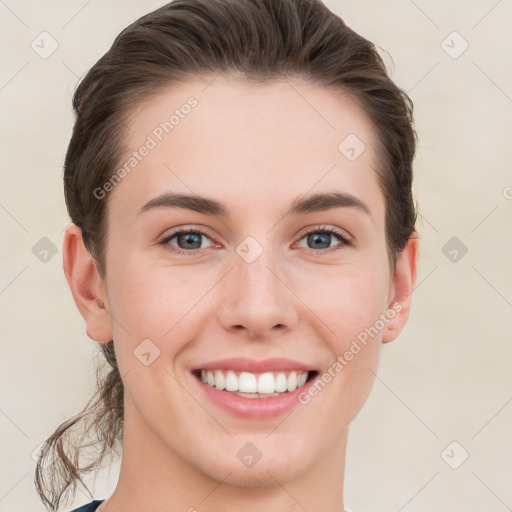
(272,468)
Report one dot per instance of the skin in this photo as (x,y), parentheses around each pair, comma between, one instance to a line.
(257,149)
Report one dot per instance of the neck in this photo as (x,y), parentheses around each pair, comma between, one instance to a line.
(154,477)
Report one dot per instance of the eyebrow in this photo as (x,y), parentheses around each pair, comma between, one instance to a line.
(318,202)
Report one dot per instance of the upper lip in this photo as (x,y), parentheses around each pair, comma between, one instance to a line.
(250,365)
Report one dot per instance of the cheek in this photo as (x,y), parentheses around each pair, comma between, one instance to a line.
(347,300)
(153,319)
(152,299)
(159,304)
(351,307)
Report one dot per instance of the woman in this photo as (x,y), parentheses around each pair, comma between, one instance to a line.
(242,242)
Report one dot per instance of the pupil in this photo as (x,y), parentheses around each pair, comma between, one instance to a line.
(322,237)
(189,238)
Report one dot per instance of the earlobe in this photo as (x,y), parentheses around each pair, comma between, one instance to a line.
(86,285)
(403,284)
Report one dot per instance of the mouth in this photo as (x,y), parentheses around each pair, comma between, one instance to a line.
(255,385)
(254,389)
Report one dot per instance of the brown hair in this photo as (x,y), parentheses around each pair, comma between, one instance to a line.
(261,41)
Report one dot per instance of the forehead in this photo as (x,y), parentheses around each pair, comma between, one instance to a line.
(267,143)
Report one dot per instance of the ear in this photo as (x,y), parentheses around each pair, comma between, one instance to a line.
(86,285)
(401,290)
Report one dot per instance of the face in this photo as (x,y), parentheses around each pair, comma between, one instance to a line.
(264,275)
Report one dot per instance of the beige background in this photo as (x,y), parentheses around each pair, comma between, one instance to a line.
(447,378)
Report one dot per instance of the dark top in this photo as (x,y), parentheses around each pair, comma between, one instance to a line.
(89,507)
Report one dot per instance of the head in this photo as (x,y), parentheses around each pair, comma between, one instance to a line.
(286,104)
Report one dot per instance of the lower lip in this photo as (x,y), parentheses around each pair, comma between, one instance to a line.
(254,407)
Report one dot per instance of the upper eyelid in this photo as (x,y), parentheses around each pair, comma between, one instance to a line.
(331,229)
(187,229)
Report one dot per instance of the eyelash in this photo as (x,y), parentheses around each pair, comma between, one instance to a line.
(344,240)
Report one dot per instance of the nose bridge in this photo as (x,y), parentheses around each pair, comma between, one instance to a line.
(256,298)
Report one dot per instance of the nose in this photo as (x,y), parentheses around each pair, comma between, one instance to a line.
(256,300)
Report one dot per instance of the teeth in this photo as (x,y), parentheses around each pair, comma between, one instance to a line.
(220,381)
(291,383)
(280,382)
(268,383)
(231,381)
(247,383)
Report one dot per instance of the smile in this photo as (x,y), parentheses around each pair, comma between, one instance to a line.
(255,389)
(254,385)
